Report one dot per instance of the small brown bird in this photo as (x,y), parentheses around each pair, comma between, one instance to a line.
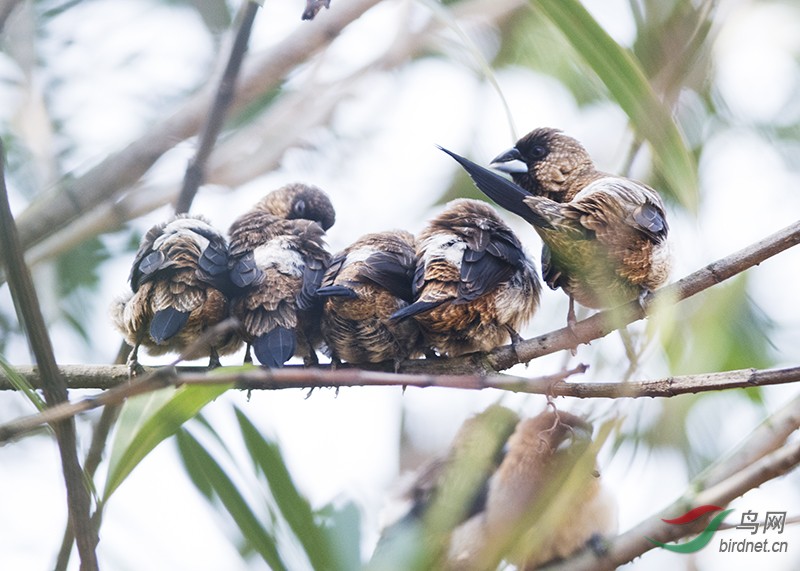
(474,285)
(493,488)
(364,285)
(277,260)
(605,236)
(180,282)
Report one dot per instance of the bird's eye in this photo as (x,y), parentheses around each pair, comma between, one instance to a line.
(299,208)
(538,151)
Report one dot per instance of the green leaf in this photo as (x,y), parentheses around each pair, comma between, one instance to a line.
(233,501)
(343,528)
(146,423)
(294,507)
(623,76)
(21,384)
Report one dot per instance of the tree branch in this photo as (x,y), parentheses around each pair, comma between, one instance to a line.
(602,323)
(53,384)
(53,210)
(195,171)
(120,387)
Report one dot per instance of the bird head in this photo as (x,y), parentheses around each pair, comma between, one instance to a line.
(546,162)
(298,201)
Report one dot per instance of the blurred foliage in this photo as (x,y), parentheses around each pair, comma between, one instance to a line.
(147,420)
(78,280)
(720,330)
(328,538)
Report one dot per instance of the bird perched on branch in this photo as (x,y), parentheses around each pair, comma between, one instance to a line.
(474,286)
(364,285)
(180,283)
(605,236)
(487,499)
(277,260)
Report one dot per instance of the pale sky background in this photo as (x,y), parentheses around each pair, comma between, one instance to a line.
(383,171)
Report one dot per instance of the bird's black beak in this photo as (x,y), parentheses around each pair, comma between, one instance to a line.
(500,189)
(509,161)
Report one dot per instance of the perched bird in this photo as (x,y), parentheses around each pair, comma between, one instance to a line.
(474,285)
(277,260)
(444,493)
(605,236)
(180,282)
(363,286)
(493,488)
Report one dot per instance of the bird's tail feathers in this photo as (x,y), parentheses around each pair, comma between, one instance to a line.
(336,291)
(166,323)
(504,192)
(276,347)
(415,309)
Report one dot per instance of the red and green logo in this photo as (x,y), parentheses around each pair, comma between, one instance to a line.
(701,540)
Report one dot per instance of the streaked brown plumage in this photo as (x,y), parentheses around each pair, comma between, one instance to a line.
(604,235)
(502,471)
(179,282)
(277,259)
(474,285)
(364,285)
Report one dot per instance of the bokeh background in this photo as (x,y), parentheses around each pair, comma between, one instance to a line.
(81,80)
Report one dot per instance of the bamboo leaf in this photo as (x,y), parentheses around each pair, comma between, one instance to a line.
(145,424)
(618,69)
(293,506)
(215,477)
(21,384)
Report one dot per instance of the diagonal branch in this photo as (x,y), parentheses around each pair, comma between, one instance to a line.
(737,480)
(195,172)
(602,323)
(54,385)
(55,209)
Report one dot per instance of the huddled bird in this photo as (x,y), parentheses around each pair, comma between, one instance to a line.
(474,285)
(482,503)
(605,236)
(179,282)
(363,286)
(277,259)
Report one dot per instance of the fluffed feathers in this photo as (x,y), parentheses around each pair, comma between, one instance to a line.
(277,260)
(474,285)
(365,284)
(179,289)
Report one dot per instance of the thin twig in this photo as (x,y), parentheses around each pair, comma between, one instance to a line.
(54,385)
(195,171)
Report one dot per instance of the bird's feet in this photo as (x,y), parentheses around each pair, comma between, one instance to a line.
(213,360)
(516,339)
(645,299)
(134,368)
(572,321)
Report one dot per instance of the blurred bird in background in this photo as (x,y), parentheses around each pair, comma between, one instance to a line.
(180,284)
(485,501)
(365,284)
(277,260)
(474,286)
(605,236)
